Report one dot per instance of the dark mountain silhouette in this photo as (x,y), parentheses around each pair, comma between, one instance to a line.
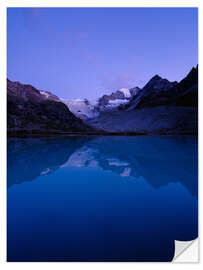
(160,91)
(31,110)
(161,107)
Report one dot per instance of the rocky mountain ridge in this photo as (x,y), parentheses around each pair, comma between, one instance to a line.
(31,110)
(158,92)
(91,108)
(160,107)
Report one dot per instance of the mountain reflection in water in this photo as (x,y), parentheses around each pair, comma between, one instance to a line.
(101,198)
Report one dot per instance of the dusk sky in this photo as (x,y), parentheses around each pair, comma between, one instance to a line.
(88,52)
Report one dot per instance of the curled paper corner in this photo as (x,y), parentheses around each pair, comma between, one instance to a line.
(186,251)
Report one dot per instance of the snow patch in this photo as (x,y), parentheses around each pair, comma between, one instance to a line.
(117,162)
(91,108)
(126,172)
(45,171)
(118,102)
(44,94)
(126,92)
(84,157)
(83,107)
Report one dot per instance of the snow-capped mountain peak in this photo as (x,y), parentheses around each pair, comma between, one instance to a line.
(87,108)
(126,92)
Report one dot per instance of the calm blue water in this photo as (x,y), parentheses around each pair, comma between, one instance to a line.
(101,198)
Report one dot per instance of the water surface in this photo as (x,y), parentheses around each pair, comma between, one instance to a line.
(101,198)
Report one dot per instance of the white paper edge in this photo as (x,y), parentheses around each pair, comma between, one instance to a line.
(186,251)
